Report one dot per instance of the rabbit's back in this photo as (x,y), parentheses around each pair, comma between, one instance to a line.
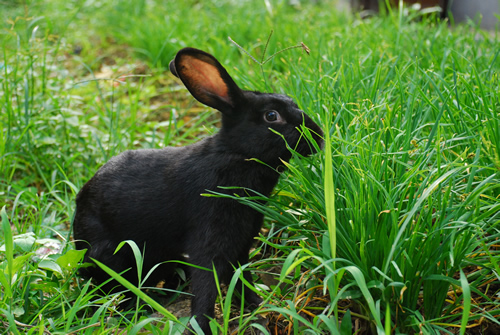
(155,196)
(140,188)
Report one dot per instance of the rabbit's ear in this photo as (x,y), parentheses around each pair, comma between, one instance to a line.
(207,80)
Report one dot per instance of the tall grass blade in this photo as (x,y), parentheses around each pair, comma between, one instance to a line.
(140,294)
(467,302)
(330,195)
(9,254)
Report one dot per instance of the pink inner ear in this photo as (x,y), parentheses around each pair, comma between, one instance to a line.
(205,77)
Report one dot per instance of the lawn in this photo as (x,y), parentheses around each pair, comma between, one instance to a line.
(392,229)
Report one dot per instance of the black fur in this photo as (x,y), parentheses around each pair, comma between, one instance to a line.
(153,196)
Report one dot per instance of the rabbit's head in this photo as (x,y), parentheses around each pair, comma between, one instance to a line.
(254,124)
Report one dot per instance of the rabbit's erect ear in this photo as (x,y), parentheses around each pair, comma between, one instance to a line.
(207,80)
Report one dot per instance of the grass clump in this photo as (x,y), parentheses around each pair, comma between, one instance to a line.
(392,229)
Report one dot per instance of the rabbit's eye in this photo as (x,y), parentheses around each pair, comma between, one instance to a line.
(272,116)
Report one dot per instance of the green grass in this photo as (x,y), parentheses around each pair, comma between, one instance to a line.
(395,225)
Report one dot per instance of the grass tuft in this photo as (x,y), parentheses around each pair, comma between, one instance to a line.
(392,228)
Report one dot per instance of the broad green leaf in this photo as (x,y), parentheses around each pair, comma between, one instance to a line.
(69,261)
(51,265)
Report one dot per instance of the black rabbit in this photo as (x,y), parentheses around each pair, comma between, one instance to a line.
(153,196)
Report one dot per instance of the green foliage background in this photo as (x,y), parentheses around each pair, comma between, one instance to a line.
(410,106)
